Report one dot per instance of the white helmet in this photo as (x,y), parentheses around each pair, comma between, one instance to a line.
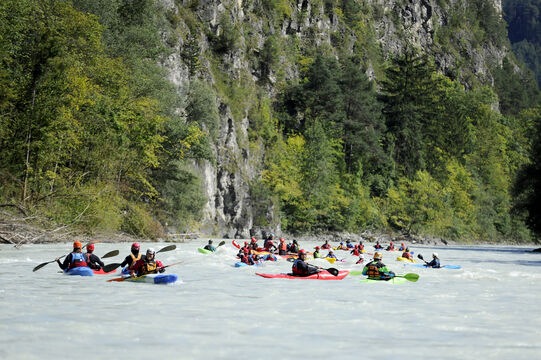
(435,255)
(151,251)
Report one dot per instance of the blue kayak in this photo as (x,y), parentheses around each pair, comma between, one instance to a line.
(81,271)
(149,278)
(451,267)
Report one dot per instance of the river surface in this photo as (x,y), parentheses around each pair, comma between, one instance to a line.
(489,309)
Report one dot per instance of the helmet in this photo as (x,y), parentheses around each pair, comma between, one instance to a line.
(210,241)
(282,239)
(135,246)
(90,247)
(341,243)
(253,240)
(435,255)
(317,247)
(302,252)
(77,245)
(151,251)
(378,256)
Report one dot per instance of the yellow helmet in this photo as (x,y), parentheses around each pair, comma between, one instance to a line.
(378,256)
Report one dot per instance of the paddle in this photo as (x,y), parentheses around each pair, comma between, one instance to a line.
(136,277)
(333,271)
(110,267)
(52,261)
(421,257)
(111,254)
(409,276)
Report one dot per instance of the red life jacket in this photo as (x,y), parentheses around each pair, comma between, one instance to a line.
(77,260)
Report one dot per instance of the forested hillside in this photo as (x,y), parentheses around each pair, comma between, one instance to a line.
(298,117)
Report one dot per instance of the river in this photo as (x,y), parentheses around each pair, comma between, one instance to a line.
(489,309)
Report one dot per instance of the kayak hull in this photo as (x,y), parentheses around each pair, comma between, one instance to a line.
(101,272)
(400,258)
(204,251)
(81,271)
(322,275)
(158,279)
(395,280)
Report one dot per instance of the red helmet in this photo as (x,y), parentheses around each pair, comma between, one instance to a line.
(317,247)
(90,247)
(135,246)
(302,252)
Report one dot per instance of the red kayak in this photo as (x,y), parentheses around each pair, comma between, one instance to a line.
(101,272)
(322,275)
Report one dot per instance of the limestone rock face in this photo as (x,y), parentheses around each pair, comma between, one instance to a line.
(395,24)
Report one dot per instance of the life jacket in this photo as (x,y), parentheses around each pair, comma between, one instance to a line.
(149,267)
(77,260)
(294,248)
(326,246)
(373,270)
(134,260)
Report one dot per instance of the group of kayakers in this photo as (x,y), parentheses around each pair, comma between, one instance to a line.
(136,263)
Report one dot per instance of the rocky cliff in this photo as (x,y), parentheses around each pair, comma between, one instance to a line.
(231,36)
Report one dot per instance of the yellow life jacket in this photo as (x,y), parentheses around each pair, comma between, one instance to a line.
(150,267)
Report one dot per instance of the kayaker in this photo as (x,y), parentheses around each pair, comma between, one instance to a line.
(378,246)
(341,246)
(355,251)
(253,244)
(361,259)
(147,265)
(269,244)
(75,259)
(93,261)
(376,269)
(402,247)
(134,256)
(407,254)
(435,263)
(293,247)
(282,247)
(210,247)
(331,254)
(302,268)
(390,247)
(317,254)
(326,245)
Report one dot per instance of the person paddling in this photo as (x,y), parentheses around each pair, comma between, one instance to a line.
(377,270)
(435,263)
(93,261)
(134,256)
(210,247)
(301,268)
(75,259)
(147,264)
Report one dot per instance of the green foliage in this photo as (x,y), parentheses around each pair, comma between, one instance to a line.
(138,222)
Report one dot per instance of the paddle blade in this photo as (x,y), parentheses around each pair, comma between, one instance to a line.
(118,279)
(41,265)
(167,248)
(331,260)
(221,243)
(110,267)
(333,271)
(111,254)
(420,256)
(410,277)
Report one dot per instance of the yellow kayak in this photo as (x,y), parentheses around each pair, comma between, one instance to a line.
(400,258)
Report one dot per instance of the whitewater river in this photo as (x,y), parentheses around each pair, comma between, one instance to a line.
(489,309)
